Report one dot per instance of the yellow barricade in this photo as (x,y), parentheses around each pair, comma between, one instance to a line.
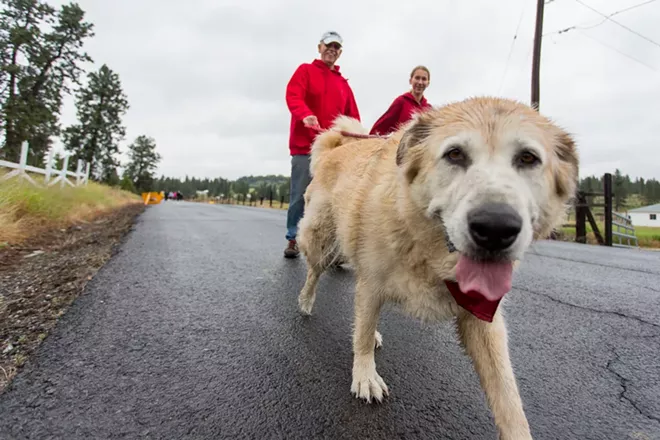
(152,198)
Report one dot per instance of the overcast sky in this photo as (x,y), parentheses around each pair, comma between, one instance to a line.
(207,79)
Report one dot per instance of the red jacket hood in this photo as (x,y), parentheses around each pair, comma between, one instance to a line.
(315,89)
(399,112)
(410,97)
(320,64)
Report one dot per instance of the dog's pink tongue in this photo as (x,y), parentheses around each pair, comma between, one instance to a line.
(486,280)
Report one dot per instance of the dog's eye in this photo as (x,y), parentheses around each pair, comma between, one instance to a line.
(455,155)
(527,159)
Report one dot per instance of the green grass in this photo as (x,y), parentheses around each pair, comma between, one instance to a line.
(26,209)
(648,232)
(647,236)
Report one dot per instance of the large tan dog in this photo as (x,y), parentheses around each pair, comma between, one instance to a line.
(433,219)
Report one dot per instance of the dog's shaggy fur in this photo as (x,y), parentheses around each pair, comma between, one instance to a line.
(384,205)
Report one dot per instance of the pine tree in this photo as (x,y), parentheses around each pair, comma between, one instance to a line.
(620,190)
(143,161)
(95,139)
(38,66)
(126,184)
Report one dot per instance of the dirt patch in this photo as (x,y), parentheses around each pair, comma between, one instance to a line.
(41,278)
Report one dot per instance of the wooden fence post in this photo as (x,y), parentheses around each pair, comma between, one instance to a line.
(24,156)
(65,167)
(87,168)
(78,172)
(20,172)
(581,218)
(607,190)
(49,167)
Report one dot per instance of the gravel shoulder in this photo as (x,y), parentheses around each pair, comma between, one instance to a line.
(42,277)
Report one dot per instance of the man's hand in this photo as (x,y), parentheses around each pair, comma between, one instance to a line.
(311,121)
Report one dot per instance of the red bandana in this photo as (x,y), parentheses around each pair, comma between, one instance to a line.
(479,306)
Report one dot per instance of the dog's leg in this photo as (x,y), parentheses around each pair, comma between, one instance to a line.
(367,384)
(486,343)
(379,339)
(308,292)
(317,242)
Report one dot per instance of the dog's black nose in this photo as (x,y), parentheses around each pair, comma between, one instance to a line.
(494,226)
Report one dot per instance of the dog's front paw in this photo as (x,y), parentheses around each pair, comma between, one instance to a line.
(367,384)
(305,305)
(515,437)
(520,432)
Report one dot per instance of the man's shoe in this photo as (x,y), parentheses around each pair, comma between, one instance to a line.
(291,250)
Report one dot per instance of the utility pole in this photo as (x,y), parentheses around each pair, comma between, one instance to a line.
(536,60)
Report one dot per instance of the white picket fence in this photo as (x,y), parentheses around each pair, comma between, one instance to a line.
(52,175)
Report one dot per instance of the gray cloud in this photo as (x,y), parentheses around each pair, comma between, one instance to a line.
(207,81)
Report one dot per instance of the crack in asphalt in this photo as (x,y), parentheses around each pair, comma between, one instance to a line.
(617,358)
(645,287)
(624,388)
(606,312)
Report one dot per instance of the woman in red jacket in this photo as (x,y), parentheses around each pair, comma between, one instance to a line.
(403,107)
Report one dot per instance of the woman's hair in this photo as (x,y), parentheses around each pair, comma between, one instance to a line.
(420,68)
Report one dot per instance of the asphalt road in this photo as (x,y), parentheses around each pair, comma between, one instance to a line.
(192,331)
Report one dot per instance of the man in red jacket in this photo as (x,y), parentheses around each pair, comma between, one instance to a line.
(316,94)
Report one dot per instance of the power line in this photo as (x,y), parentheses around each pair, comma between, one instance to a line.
(617,13)
(618,51)
(616,22)
(577,27)
(513,42)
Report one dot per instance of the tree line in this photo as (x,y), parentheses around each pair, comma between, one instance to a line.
(646,191)
(42,60)
(258,186)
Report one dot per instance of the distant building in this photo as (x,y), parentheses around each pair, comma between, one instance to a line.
(645,216)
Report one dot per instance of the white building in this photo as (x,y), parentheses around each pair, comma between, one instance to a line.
(645,216)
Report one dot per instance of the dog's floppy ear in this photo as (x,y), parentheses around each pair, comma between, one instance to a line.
(406,154)
(566,173)
(415,134)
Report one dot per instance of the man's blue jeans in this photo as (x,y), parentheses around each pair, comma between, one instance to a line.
(300,179)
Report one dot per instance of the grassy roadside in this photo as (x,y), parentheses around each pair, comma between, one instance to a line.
(52,242)
(647,237)
(27,210)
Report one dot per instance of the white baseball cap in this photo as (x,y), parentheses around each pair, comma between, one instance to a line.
(332,37)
